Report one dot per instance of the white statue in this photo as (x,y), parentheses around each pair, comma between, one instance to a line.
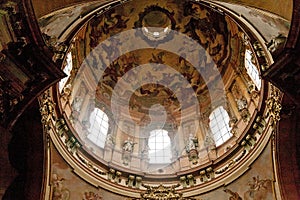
(128,145)
(241,103)
(192,143)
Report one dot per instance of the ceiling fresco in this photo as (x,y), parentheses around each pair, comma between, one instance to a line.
(149,65)
(162,89)
(161,99)
(214,32)
(55,24)
(282,8)
(269,25)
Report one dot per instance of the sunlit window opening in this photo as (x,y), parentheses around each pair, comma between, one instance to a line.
(99,127)
(159,146)
(252,69)
(67,69)
(219,125)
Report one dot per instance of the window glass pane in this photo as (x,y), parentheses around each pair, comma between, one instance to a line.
(252,69)
(226,137)
(219,142)
(159,146)
(217,136)
(219,125)
(92,137)
(223,130)
(99,127)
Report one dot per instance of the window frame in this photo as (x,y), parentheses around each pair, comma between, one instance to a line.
(219,125)
(156,148)
(252,69)
(98,135)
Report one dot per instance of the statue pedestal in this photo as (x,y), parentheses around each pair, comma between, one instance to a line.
(126,157)
(193,156)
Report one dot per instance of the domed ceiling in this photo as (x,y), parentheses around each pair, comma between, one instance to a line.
(162,91)
(156,65)
(159,89)
(200,52)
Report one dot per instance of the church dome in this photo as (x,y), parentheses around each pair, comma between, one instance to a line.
(159,92)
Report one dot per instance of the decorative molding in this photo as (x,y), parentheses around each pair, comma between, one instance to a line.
(208,175)
(274,104)
(47,109)
(160,192)
(25,65)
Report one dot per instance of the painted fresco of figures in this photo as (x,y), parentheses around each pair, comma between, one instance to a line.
(91,196)
(234,195)
(203,31)
(259,189)
(59,192)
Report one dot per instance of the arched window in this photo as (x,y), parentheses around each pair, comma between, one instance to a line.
(159,146)
(251,69)
(67,69)
(219,125)
(99,127)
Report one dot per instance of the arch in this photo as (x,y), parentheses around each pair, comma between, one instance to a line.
(159,144)
(99,127)
(219,125)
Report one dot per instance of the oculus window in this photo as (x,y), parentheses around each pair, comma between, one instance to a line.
(159,144)
(99,127)
(219,125)
(251,69)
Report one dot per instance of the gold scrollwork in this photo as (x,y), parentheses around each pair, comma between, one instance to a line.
(161,192)
(274,104)
(47,109)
